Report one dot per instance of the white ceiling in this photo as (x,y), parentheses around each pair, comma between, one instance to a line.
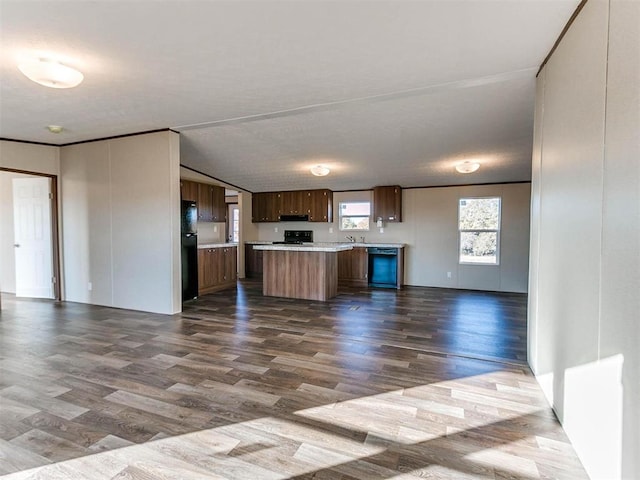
(383,92)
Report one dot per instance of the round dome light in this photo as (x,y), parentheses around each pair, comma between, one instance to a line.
(467,167)
(51,73)
(320,170)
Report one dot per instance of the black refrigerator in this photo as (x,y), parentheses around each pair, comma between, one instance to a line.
(189,241)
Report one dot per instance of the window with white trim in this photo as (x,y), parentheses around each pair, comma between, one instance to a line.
(354,216)
(479,230)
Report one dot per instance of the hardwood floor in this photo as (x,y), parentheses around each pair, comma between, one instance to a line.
(374,384)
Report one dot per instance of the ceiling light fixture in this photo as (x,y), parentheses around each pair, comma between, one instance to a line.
(467,167)
(51,73)
(320,170)
(55,128)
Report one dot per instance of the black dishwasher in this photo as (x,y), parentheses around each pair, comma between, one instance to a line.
(383,267)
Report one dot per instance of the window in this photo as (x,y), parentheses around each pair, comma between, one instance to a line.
(479,230)
(354,215)
(235,223)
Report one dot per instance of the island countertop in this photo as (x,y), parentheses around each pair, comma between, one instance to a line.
(305,247)
(326,245)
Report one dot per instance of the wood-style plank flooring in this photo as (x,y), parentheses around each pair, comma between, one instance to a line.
(374,384)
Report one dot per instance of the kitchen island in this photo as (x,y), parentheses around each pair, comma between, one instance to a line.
(307,271)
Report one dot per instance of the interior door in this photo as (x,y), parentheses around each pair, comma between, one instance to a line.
(32,237)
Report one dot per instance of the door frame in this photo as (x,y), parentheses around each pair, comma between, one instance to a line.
(55,241)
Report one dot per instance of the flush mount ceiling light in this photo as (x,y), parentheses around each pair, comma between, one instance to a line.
(51,73)
(55,128)
(467,167)
(320,170)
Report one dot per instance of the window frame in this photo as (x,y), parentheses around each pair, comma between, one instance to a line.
(340,216)
(488,230)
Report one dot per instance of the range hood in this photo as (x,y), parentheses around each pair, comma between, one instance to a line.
(294,218)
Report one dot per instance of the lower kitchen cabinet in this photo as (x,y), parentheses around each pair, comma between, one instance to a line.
(217,269)
(353,266)
(253,262)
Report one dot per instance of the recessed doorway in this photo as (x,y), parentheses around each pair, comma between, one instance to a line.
(29,262)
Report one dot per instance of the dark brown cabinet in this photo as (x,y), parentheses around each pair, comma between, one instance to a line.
(293,203)
(209,199)
(189,190)
(207,269)
(205,203)
(353,266)
(217,269)
(218,205)
(387,204)
(229,262)
(211,204)
(258,207)
(252,262)
(268,206)
(320,205)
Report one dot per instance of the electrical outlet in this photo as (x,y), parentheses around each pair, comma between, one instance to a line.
(215,229)
(275,229)
(381,230)
(448,274)
(330,229)
(90,286)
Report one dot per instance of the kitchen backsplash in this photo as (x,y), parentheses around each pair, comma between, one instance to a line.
(393,233)
(211,232)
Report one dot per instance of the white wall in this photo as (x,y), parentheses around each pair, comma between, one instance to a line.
(30,157)
(430,230)
(121,226)
(585,259)
(27,157)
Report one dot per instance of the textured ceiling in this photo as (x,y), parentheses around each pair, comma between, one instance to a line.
(383,92)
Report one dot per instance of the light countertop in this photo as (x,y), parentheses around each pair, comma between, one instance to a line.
(335,244)
(307,247)
(217,245)
(368,244)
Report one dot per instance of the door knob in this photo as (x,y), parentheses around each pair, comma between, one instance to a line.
(17,245)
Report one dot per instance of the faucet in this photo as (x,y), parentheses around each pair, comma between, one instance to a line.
(362,240)
(351,238)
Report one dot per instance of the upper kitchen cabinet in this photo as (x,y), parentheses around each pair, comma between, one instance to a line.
(293,203)
(387,203)
(218,204)
(211,203)
(317,204)
(189,190)
(320,205)
(265,207)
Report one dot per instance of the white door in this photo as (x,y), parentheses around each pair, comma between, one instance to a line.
(32,234)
